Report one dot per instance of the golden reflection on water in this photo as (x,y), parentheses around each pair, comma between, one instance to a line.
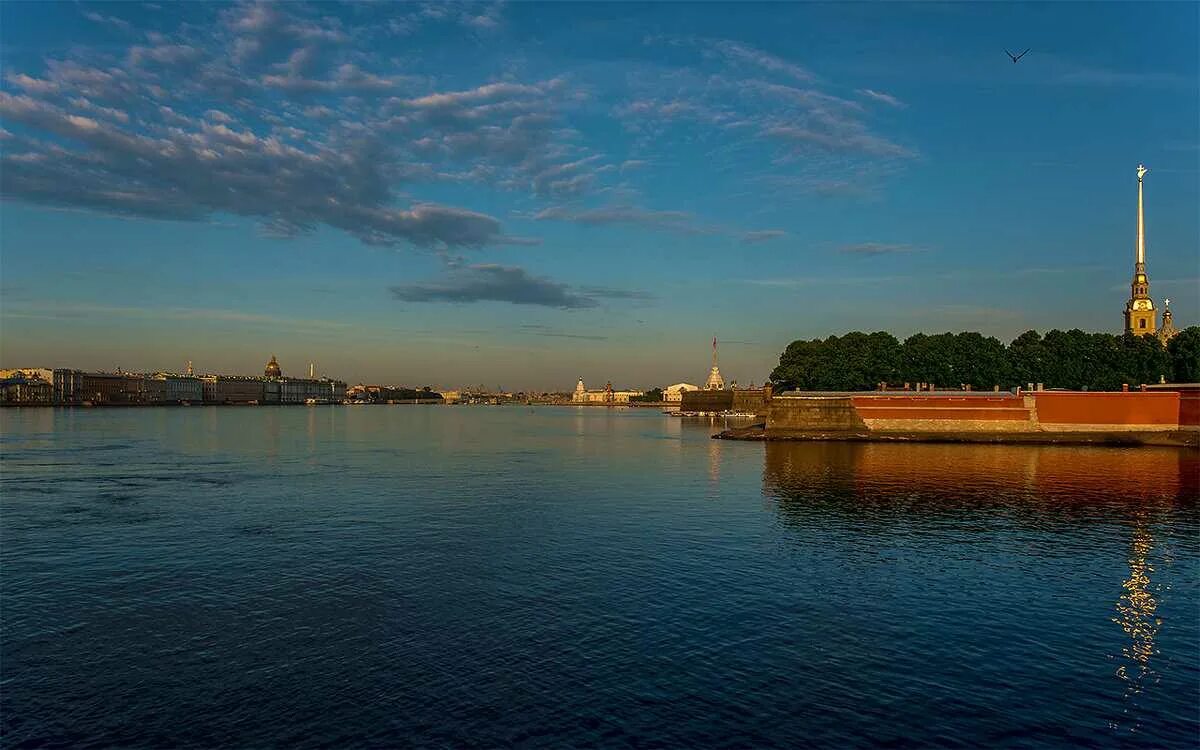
(1137,615)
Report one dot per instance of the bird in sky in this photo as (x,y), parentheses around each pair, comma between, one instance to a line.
(1015,57)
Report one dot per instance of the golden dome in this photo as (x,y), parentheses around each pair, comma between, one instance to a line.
(273,370)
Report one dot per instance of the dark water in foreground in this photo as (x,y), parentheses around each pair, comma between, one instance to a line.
(483,577)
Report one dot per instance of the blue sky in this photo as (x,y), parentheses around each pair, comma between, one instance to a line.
(522,194)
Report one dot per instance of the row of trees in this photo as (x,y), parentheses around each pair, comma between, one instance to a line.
(1060,359)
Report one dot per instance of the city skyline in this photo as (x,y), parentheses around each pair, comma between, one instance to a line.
(495,193)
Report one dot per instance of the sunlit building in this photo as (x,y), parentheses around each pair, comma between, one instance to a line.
(607,396)
(673,394)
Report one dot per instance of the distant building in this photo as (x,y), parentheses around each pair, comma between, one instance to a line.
(606,396)
(673,394)
(41,373)
(181,389)
(17,387)
(277,389)
(715,382)
(1167,330)
(78,387)
(232,389)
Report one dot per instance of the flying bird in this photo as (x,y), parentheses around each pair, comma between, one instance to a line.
(1015,57)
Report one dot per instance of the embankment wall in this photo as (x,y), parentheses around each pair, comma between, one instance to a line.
(1041,411)
(818,413)
(1081,411)
(706,401)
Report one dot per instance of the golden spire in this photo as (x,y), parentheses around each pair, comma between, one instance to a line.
(1141,228)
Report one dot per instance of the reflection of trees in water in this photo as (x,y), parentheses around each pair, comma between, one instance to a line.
(1137,616)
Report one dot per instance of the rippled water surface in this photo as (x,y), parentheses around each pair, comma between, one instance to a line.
(554,577)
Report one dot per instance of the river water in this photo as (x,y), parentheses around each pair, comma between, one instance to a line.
(565,577)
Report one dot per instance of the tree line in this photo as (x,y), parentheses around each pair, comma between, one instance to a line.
(1070,359)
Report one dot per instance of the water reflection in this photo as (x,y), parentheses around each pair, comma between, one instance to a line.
(1137,615)
(948,475)
(1078,513)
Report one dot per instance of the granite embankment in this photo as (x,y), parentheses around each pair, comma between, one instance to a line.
(1152,417)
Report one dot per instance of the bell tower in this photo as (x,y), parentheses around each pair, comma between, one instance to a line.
(1139,310)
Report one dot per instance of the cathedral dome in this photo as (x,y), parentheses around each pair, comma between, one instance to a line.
(273,370)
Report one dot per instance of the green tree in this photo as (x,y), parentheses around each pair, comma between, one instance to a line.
(854,362)
(1143,360)
(799,365)
(1067,362)
(1184,352)
(929,359)
(1027,359)
(980,362)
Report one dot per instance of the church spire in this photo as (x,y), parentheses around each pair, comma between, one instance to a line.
(715,382)
(1140,317)
(1141,225)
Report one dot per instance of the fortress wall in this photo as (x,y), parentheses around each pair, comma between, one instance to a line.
(750,400)
(1042,411)
(706,401)
(1189,402)
(945,413)
(1189,409)
(814,413)
(1082,411)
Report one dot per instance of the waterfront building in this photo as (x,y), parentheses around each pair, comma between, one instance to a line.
(41,373)
(178,389)
(715,382)
(607,396)
(231,389)
(98,387)
(19,388)
(276,389)
(1140,317)
(673,394)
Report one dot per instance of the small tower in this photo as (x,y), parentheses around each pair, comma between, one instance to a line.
(1167,330)
(1139,310)
(580,392)
(715,382)
(272,370)
(190,373)
(312,370)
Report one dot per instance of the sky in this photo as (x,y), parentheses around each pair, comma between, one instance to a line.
(522,194)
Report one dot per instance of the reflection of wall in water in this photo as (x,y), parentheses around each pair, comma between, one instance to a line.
(1073,475)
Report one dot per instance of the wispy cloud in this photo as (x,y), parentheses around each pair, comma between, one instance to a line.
(541,330)
(738,53)
(673,221)
(762,235)
(880,96)
(490,282)
(877,248)
(111,21)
